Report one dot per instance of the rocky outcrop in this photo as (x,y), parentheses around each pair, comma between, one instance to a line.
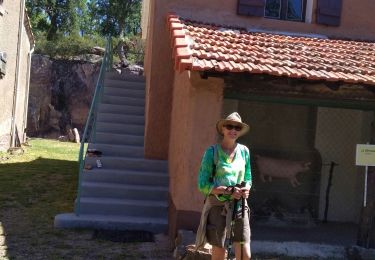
(60,95)
(61,92)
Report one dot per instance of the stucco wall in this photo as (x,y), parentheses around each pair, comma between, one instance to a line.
(9,22)
(22,86)
(196,109)
(158,86)
(355,18)
(159,63)
(8,28)
(181,110)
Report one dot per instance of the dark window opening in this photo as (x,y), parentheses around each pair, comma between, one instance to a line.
(273,9)
(291,10)
(295,10)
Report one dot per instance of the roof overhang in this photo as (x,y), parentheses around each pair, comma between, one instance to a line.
(200,46)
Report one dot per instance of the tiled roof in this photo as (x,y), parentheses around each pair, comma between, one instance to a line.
(206,47)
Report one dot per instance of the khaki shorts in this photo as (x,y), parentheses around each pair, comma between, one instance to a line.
(216,230)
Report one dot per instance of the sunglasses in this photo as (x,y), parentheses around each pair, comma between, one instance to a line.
(235,127)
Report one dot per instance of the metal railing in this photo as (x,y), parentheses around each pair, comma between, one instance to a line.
(89,134)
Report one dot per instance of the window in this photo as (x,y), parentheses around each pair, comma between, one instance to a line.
(292,10)
(273,9)
(328,11)
(295,10)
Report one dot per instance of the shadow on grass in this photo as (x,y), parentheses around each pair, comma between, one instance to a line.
(32,193)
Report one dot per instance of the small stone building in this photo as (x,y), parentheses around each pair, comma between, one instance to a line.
(16,46)
(301,73)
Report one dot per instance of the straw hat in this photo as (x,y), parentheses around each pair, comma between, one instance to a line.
(235,119)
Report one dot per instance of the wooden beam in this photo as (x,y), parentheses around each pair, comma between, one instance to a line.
(347,104)
(267,88)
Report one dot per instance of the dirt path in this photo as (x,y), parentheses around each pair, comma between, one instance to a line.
(21,238)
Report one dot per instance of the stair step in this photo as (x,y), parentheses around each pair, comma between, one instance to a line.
(118,150)
(122,92)
(124,207)
(126,177)
(139,164)
(114,100)
(123,191)
(121,109)
(109,138)
(122,119)
(113,75)
(125,84)
(128,192)
(115,128)
(110,222)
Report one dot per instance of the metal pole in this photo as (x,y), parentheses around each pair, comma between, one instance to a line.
(243,216)
(234,212)
(365,191)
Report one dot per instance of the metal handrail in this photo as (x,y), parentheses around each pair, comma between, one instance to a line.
(90,129)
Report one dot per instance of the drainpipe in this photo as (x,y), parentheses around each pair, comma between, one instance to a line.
(26,103)
(17,76)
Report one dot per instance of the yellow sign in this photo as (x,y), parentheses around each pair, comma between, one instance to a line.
(365,155)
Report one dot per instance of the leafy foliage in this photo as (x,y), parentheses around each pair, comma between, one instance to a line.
(68,46)
(66,28)
(52,16)
(119,17)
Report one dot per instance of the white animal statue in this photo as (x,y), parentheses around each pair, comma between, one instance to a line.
(281,168)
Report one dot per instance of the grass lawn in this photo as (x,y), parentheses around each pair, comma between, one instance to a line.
(37,185)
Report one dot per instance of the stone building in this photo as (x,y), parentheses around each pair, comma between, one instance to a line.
(301,73)
(16,46)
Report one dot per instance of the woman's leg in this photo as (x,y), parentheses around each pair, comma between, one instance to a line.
(215,232)
(218,253)
(242,233)
(246,255)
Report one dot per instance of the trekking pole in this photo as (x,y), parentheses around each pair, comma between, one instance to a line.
(230,244)
(228,238)
(243,216)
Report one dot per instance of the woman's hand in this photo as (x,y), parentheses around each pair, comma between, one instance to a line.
(237,193)
(245,192)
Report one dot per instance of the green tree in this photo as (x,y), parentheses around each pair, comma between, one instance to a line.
(65,28)
(54,16)
(118,17)
(89,22)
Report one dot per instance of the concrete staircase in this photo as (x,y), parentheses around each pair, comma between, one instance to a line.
(128,192)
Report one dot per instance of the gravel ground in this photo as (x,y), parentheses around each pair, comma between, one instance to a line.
(21,238)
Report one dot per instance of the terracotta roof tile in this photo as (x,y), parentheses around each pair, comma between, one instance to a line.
(199,46)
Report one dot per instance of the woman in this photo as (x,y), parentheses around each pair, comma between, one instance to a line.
(224,166)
